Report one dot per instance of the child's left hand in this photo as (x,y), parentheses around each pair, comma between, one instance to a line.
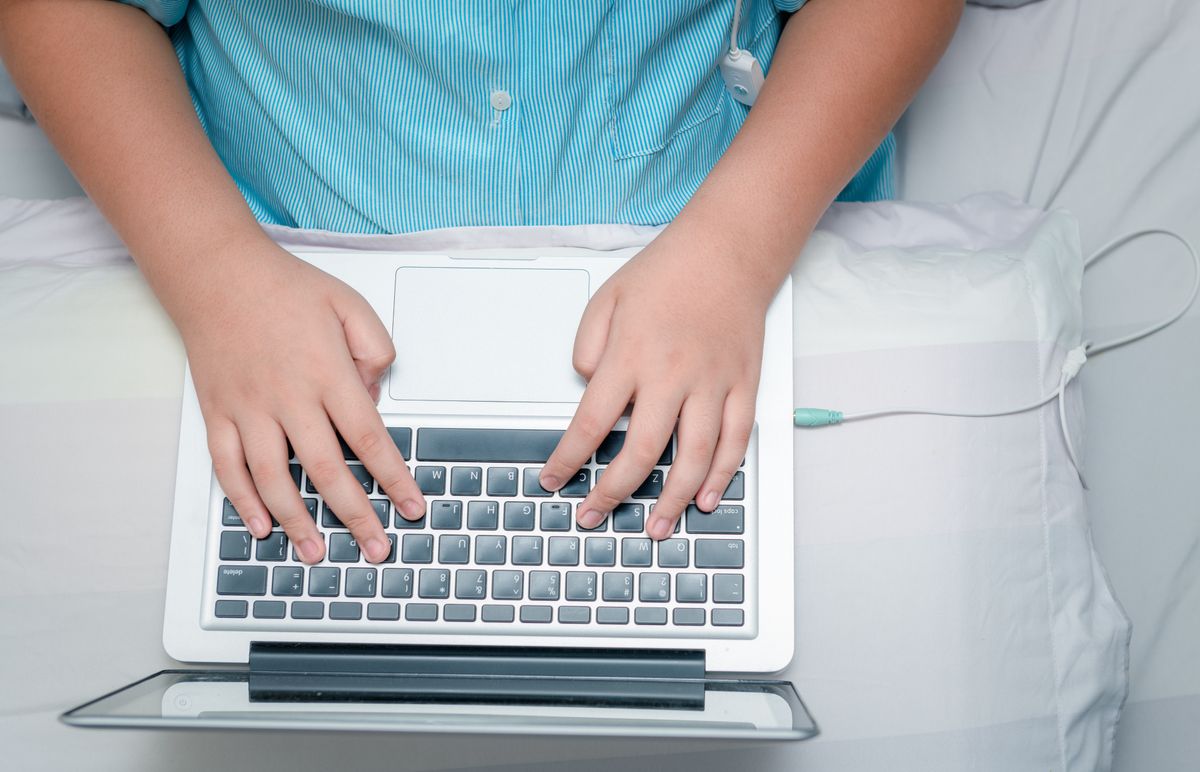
(678,331)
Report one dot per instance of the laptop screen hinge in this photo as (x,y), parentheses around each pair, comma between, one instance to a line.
(381,673)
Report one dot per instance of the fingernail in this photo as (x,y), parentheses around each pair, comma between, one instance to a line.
(309,549)
(709,502)
(550,482)
(660,528)
(591,518)
(377,549)
(411,509)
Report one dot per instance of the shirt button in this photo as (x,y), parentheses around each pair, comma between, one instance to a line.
(501,100)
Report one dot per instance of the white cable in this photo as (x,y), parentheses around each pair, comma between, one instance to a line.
(1074,360)
(733,29)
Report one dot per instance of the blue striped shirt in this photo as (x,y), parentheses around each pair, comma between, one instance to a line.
(389,116)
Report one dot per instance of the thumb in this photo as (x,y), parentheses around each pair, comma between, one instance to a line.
(592,336)
(367,339)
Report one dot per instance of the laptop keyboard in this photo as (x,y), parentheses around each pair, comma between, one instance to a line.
(495,550)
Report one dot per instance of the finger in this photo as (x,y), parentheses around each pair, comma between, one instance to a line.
(359,423)
(368,341)
(591,338)
(699,427)
(229,465)
(321,456)
(736,426)
(265,447)
(650,428)
(603,402)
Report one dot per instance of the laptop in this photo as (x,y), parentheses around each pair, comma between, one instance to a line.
(496,604)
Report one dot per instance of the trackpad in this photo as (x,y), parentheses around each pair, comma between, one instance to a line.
(487,334)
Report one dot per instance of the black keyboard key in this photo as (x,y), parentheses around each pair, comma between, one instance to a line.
(720,553)
(611,615)
(367,482)
(637,553)
(673,553)
(556,516)
(727,518)
(230,609)
(470,584)
(617,586)
(533,487)
(431,480)
(736,490)
(574,615)
(241,580)
(650,616)
(491,550)
(578,486)
(294,469)
(397,583)
(229,515)
(688,616)
(613,443)
(308,609)
(235,545)
(360,582)
(483,515)
(345,610)
(600,551)
(729,588)
(382,508)
(272,548)
(518,516)
(493,612)
(563,551)
(421,612)
(526,551)
(629,518)
(402,437)
(403,523)
(391,556)
(343,548)
(453,549)
(654,588)
(543,585)
(433,583)
(458,612)
(728,617)
(383,612)
(269,609)
(445,514)
(417,548)
(581,585)
(311,506)
(329,519)
(516,446)
(508,585)
(466,481)
(651,487)
(502,481)
(324,582)
(287,580)
(537,614)
(691,588)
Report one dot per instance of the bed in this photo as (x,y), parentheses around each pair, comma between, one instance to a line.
(1064,103)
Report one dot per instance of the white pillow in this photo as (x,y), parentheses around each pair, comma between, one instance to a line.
(947,588)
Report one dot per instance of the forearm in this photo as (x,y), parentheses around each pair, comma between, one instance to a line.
(103,81)
(843,73)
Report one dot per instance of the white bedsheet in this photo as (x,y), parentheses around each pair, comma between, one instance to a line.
(1093,105)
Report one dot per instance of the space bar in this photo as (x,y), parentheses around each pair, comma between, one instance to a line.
(512,445)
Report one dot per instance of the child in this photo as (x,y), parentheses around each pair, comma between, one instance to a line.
(383,117)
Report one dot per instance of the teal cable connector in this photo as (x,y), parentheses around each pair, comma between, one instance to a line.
(815,416)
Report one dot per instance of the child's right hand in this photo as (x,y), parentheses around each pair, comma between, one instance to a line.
(281,351)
